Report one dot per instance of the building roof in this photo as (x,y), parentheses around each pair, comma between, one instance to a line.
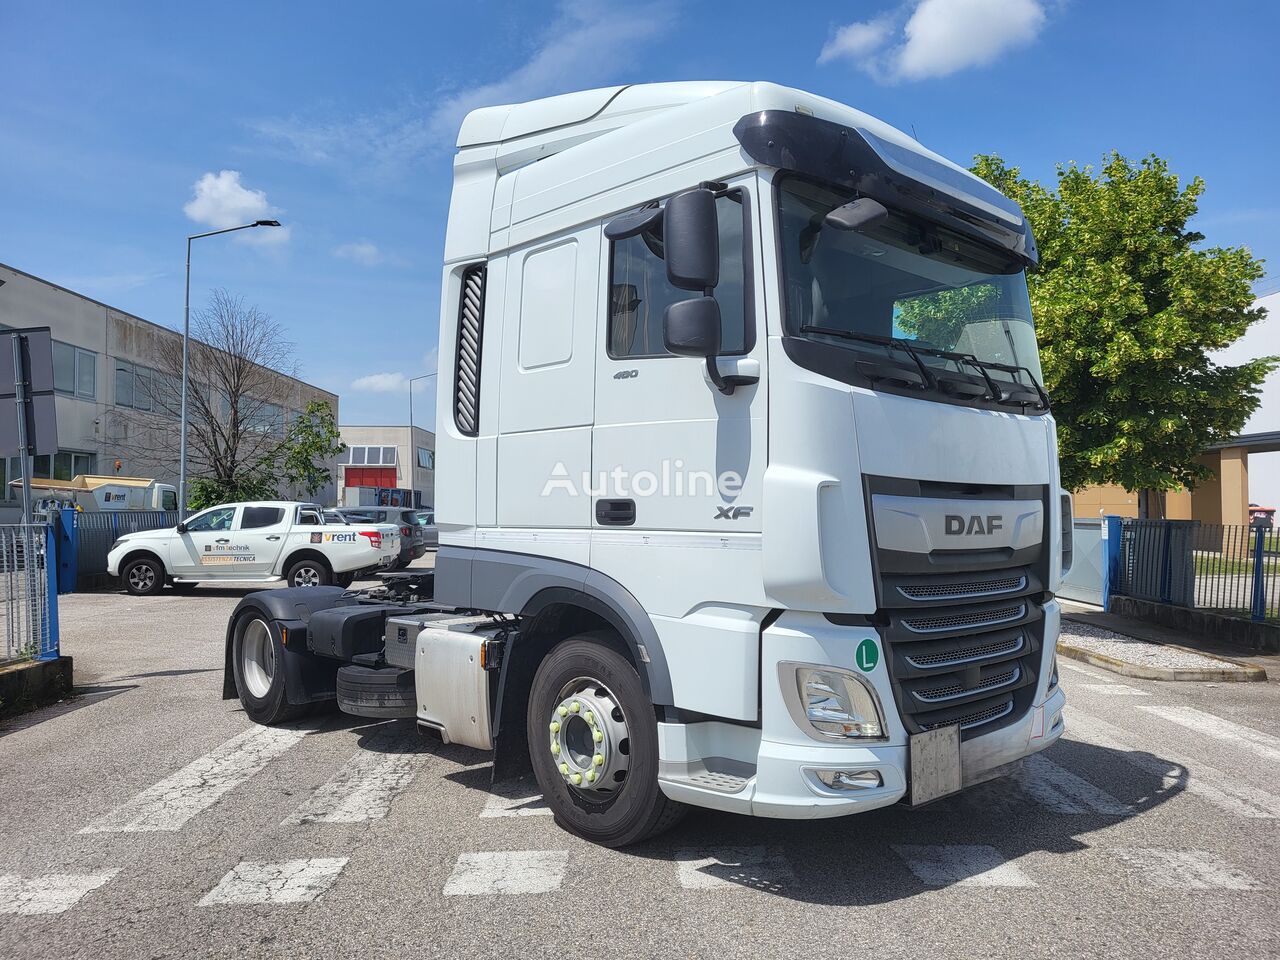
(134,316)
(1268,441)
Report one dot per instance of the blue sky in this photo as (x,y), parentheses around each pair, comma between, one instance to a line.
(124,127)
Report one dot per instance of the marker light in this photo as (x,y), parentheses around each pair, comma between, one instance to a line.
(850,779)
(837,704)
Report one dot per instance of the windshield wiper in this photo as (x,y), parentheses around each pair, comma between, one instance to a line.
(927,379)
(1040,393)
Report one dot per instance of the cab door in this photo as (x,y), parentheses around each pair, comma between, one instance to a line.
(205,550)
(259,534)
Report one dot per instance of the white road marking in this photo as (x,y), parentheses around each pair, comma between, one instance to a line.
(1184,869)
(962,866)
(200,784)
(1111,689)
(525,871)
(50,893)
(1066,665)
(1222,790)
(515,800)
(1063,792)
(367,783)
(725,868)
(292,881)
(1262,744)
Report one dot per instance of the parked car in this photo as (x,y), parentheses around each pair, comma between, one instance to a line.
(427,520)
(413,538)
(264,541)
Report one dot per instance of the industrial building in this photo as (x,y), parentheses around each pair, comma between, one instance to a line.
(387,458)
(108,367)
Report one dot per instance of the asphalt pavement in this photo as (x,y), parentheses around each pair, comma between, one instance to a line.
(149,818)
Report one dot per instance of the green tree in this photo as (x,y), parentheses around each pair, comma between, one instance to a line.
(246,485)
(1129,305)
(311,443)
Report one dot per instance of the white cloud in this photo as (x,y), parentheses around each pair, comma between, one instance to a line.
(220,200)
(381,383)
(364,252)
(937,38)
(587,42)
(857,40)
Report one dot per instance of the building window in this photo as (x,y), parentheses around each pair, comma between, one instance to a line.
(426,459)
(371,456)
(68,464)
(75,371)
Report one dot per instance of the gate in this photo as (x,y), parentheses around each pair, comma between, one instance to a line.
(28,602)
(86,539)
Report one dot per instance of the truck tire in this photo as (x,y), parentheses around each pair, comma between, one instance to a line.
(593,741)
(376,691)
(143,577)
(257,661)
(308,573)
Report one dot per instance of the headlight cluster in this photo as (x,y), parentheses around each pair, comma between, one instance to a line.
(838,704)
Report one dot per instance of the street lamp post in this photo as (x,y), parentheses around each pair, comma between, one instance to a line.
(186,338)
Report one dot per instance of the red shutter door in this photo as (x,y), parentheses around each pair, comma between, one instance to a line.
(371,477)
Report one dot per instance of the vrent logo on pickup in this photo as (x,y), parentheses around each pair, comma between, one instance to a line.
(957,525)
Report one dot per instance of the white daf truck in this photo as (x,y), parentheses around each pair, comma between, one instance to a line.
(748,490)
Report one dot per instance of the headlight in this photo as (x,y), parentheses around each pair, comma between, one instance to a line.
(838,704)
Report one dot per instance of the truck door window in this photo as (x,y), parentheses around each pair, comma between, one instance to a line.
(218,519)
(639,292)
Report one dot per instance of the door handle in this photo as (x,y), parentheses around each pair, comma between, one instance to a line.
(616,513)
(222,540)
(274,537)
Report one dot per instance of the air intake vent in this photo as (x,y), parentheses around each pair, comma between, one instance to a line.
(965,619)
(466,374)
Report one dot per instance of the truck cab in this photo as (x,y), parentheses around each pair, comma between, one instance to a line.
(749,378)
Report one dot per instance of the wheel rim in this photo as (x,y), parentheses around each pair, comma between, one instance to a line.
(590,744)
(306,577)
(142,577)
(258,658)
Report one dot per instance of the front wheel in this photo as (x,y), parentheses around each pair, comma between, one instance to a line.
(143,577)
(308,573)
(257,659)
(593,740)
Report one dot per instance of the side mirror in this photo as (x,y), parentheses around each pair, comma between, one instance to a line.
(691,328)
(182,528)
(691,240)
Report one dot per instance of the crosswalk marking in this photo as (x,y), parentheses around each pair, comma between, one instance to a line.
(1262,744)
(292,881)
(50,893)
(1062,791)
(961,866)
(518,799)
(1222,790)
(177,798)
(1115,690)
(367,784)
(491,874)
(723,868)
(1075,668)
(1183,869)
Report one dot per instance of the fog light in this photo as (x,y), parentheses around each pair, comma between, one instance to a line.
(838,704)
(850,779)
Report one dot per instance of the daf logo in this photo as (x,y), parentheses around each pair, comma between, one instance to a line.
(733,513)
(968,526)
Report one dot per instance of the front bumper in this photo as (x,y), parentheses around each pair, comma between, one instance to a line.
(784,759)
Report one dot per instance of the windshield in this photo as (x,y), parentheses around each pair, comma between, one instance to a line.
(908,292)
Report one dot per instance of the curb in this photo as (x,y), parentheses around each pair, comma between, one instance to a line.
(1244,672)
(30,684)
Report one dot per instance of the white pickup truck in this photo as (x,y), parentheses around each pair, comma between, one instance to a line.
(262,541)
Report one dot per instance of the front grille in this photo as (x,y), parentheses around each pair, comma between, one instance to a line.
(969,654)
(971,590)
(957,689)
(979,717)
(955,622)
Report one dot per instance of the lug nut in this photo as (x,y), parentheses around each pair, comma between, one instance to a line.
(555,747)
(564,769)
(575,707)
(589,717)
(598,760)
(562,711)
(555,726)
(576,778)
(591,776)
(597,735)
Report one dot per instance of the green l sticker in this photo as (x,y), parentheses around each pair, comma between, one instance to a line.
(867,655)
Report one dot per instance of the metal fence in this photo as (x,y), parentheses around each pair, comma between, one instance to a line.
(28,605)
(1230,569)
(86,539)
